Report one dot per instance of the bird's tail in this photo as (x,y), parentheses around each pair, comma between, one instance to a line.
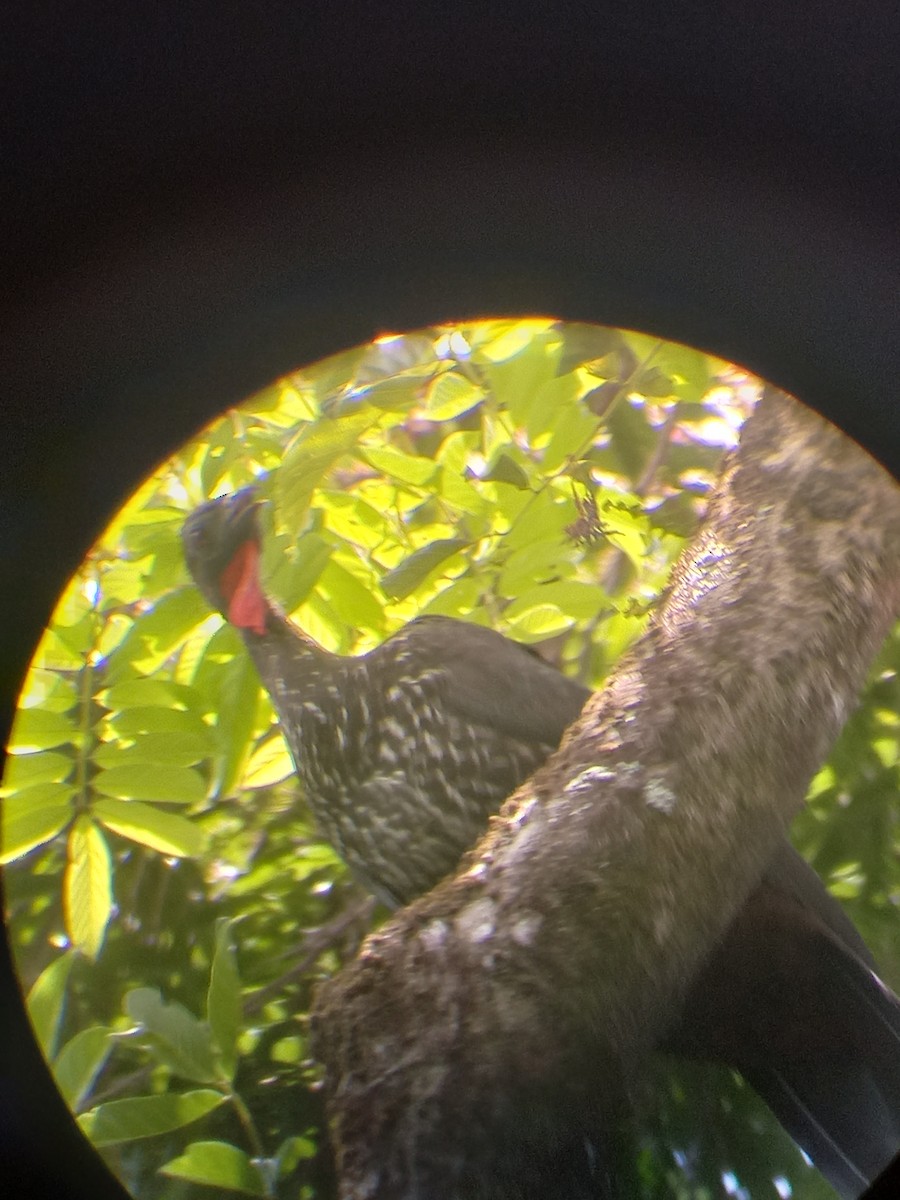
(840,1102)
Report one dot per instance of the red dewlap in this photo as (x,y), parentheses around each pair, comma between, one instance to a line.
(247,606)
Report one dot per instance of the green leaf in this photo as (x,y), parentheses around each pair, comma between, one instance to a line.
(32,817)
(676,515)
(396,393)
(181,1041)
(458,598)
(453,485)
(219,450)
(406,468)
(167,833)
(414,570)
(350,598)
(511,502)
(37,729)
(573,431)
(538,622)
(570,597)
(219,1165)
(132,721)
(688,369)
(506,470)
(313,454)
(156,633)
(223,1000)
(654,383)
(317,619)
(599,400)
(408,354)
(238,704)
(450,395)
(352,519)
(291,1152)
(46,1002)
(146,1116)
(76,637)
(691,411)
(133,693)
(534,563)
(887,751)
(269,763)
(291,577)
(151,781)
(27,770)
(49,690)
(288,1049)
(332,375)
(175,749)
(543,519)
(148,534)
(586,343)
(516,380)
(79,1063)
(626,528)
(632,438)
(87,892)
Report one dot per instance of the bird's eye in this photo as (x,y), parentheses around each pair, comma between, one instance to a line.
(196,537)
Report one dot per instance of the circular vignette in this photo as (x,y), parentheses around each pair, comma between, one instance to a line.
(194,295)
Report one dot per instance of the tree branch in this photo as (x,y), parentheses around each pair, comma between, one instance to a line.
(494,1023)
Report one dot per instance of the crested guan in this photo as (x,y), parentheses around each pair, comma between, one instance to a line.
(405,752)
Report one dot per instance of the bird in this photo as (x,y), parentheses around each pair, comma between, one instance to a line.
(405,753)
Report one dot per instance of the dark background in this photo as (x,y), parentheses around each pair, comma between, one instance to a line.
(198,197)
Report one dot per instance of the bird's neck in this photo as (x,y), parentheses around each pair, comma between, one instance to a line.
(295,669)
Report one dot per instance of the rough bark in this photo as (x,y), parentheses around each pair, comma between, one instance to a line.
(484,1036)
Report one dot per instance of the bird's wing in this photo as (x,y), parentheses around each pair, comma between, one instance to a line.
(495,682)
(425,843)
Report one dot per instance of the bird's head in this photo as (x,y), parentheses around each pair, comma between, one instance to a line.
(221,547)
